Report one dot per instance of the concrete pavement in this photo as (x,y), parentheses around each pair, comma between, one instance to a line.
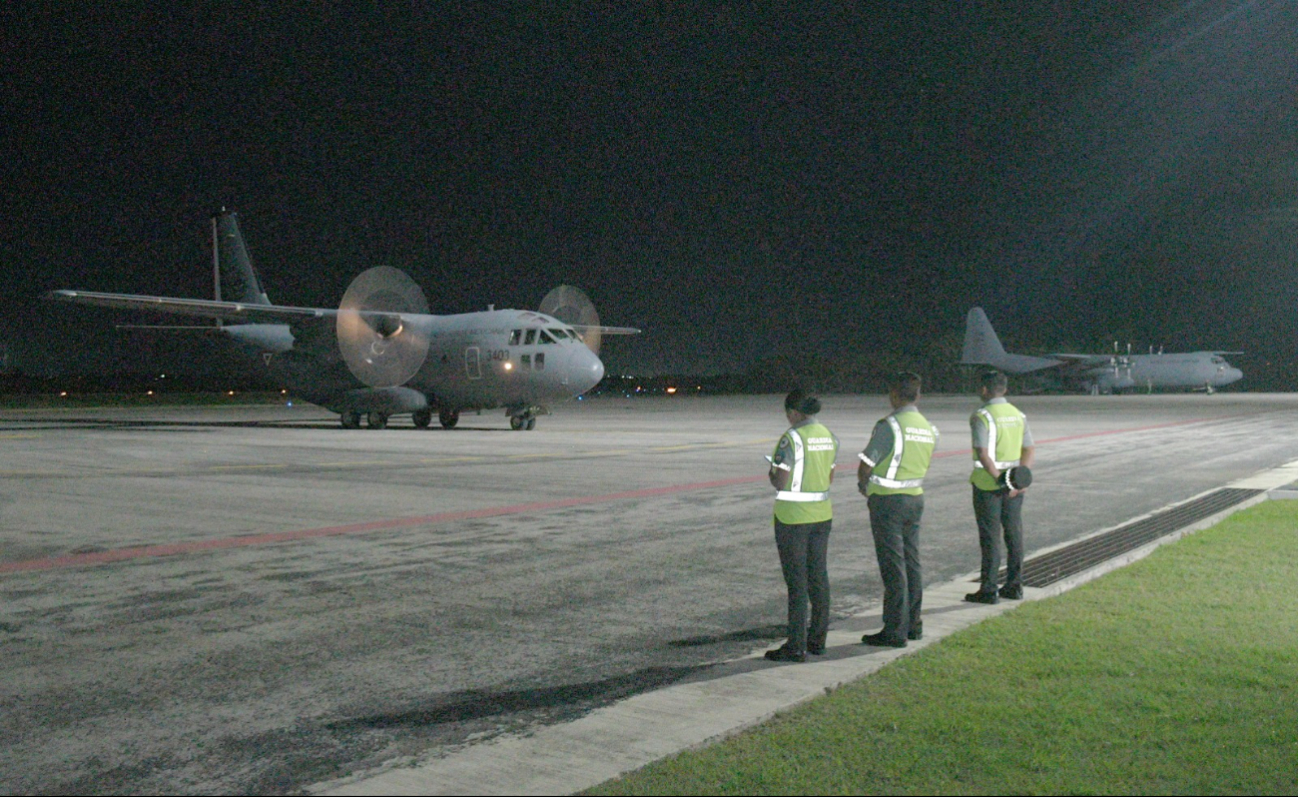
(722,701)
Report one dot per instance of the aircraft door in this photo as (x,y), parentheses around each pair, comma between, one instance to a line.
(472,364)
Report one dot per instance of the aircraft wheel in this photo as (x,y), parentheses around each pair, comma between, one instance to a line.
(531,424)
(517,422)
(422,418)
(351,420)
(448,418)
(377,420)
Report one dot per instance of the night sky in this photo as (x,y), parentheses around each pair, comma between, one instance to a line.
(828,181)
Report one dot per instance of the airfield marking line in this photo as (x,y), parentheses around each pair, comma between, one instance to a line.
(172,549)
(139,552)
(345,465)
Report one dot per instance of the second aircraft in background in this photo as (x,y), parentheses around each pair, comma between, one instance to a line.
(1101,373)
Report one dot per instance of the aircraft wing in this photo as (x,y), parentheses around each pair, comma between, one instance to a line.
(1086,359)
(1012,363)
(199,308)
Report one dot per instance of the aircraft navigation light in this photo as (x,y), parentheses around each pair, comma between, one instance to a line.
(509,366)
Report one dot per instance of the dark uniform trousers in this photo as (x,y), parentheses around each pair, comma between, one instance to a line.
(997,513)
(803,558)
(894,522)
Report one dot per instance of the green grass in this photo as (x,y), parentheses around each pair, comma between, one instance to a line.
(1175,675)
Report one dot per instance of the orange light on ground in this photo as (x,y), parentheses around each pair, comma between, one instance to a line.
(671,390)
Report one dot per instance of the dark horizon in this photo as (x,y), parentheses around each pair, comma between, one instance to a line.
(828,182)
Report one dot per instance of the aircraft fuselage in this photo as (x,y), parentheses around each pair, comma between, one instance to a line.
(496,358)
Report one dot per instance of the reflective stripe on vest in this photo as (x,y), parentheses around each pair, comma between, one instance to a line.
(799,465)
(1013,463)
(801,498)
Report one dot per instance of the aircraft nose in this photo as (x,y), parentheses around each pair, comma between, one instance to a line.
(587,369)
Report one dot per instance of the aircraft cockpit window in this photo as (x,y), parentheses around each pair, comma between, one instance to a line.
(1218,361)
(530,338)
(546,337)
(540,361)
(515,336)
(560,334)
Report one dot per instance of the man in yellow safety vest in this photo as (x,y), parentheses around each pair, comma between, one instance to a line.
(1001,441)
(891,477)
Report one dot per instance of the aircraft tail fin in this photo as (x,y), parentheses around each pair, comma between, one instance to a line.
(234,278)
(981,346)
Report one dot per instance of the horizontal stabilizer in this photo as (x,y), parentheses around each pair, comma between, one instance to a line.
(198,308)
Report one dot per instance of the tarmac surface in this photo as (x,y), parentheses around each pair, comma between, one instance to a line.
(253,600)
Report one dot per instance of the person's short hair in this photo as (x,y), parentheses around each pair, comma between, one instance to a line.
(801,401)
(906,385)
(994,381)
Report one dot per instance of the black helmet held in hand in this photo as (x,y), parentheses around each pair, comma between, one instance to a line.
(1018,477)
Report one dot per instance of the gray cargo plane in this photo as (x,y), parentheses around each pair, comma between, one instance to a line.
(380,353)
(1101,373)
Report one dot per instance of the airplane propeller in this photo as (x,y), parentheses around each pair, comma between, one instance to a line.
(381,349)
(574,308)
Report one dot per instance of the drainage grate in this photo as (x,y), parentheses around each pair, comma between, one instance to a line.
(1048,568)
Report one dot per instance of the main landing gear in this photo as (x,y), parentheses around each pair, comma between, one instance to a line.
(520,422)
(379,420)
(374,420)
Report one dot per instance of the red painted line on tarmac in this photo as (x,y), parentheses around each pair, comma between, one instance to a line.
(173,549)
(123,554)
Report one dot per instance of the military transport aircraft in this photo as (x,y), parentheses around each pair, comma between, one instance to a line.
(380,353)
(1101,373)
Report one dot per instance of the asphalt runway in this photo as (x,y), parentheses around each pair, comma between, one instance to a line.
(253,600)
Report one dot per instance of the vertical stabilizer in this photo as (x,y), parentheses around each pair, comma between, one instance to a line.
(234,277)
(981,346)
